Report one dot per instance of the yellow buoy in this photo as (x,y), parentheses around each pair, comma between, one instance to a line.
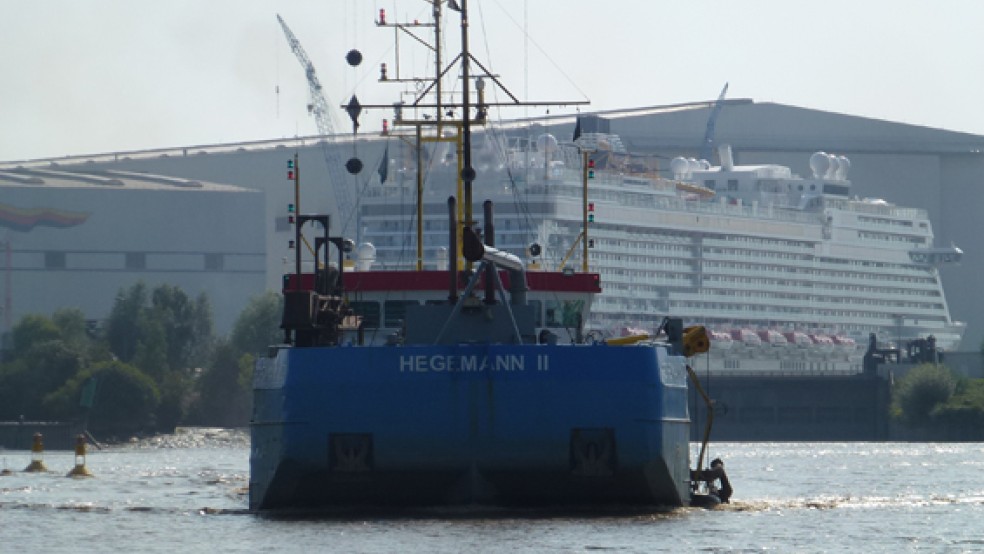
(79,470)
(37,455)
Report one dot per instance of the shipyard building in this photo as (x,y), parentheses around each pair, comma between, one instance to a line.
(936,170)
(73,237)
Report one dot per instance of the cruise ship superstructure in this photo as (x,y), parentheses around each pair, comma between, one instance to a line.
(789,273)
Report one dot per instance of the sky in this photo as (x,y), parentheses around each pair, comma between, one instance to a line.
(82,77)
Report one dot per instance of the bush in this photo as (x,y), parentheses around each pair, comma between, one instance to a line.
(922,390)
(965,409)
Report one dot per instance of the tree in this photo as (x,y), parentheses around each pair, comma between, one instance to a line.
(187,325)
(258,325)
(122,329)
(224,388)
(223,397)
(922,390)
(125,401)
(32,329)
(45,354)
(962,416)
(165,334)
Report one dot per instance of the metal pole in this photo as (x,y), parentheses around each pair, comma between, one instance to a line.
(468,173)
(297,223)
(437,63)
(420,199)
(453,254)
(489,240)
(584,208)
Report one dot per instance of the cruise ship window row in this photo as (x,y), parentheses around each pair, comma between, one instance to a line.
(759,242)
(760,254)
(865,266)
(710,266)
(814,299)
(886,237)
(886,221)
(603,243)
(835,286)
(852,297)
(647,261)
(850,308)
(789,315)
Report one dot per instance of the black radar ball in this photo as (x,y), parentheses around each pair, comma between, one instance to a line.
(354,57)
(468,174)
(354,165)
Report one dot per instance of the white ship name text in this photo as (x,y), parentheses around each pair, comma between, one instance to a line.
(452,363)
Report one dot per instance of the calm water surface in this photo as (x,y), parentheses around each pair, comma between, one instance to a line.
(789,497)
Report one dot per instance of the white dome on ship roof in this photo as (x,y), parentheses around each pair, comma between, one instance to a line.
(693,164)
(845,165)
(834,167)
(365,255)
(705,165)
(679,166)
(366,250)
(546,143)
(819,163)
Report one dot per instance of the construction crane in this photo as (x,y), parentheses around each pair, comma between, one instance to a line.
(707,147)
(318,107)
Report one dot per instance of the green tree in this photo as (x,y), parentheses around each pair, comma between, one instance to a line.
(187,325)
(73,328)
(46,353)
(922,390)
(258,325)
(963,413)
(122,330)
(223,399)
(125,401)
(31,330)
(165,334)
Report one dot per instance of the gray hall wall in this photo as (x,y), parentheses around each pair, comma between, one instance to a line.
(962,221)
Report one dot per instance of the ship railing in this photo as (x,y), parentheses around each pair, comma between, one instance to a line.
(857,206)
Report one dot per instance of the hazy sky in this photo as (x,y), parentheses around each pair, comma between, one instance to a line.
(93,76)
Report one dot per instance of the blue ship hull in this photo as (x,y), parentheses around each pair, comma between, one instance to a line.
(497,425)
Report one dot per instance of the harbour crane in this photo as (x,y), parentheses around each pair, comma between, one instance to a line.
(318,107)
(707,147)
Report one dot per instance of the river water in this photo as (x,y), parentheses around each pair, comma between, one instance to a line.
(190,497)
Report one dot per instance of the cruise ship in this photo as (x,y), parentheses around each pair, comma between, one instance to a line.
(789,273)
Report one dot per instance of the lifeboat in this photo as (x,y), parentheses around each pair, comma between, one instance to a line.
(630,331)
(773,338)
(798,339)
(846,345)
(822,343)
(721,340)
(694,191)
(746,337)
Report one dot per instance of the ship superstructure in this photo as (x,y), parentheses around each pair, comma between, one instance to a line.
(746,250)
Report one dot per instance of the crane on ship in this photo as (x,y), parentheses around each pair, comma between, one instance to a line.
(318,107)
(707,146)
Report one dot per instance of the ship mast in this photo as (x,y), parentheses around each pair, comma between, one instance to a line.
(443,118)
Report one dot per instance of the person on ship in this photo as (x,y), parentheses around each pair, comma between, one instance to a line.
(717,481)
